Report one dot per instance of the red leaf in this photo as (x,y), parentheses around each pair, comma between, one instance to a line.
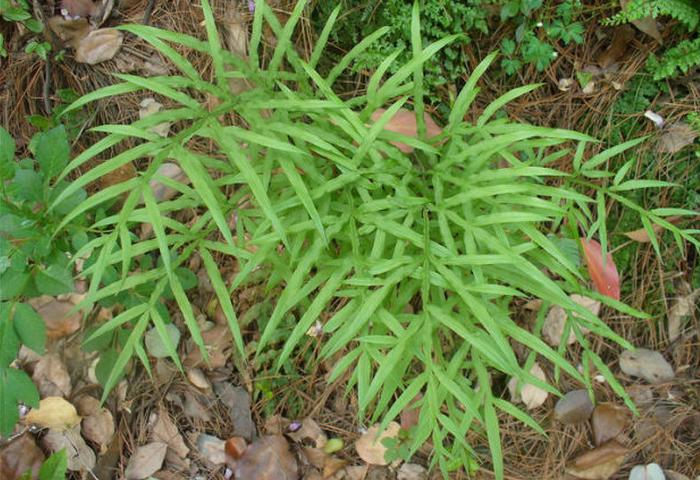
(606,280)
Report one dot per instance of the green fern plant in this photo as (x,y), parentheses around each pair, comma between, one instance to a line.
(415,257)
(679,58)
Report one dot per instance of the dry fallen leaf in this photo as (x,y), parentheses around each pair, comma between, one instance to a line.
(19,456)
(646,364)
(148,107)
(55,413)
(605,278)
(412,471)
(79,8)
(99,46)
(309,430)
(164,430)
(51,376)
(211,449)
(194,408)
(59,320)
(146,460)
(608,422)
(268,458)
(600,463)
(404,123)
(218,342)
(238,401)
(531,395)
(80,456)
(235,447)
(677,136)
(574,407)
(169,170)
(565,84)
(555,322)
(680,312)
(98,422)
(622,37)
(71,32)
(411,413)
(198,379)
(645,25)
(369,446)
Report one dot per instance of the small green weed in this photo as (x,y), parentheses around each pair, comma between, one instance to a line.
(20,11)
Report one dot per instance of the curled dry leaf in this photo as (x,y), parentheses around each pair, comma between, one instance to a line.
(600,463)
(58,316)
(51,376)
(369,446)
(19,456)
(309,430)
(98,422)
(99,46)
(555,322)
(647,472)
(55,413)
(605,278)
(411,413)
(574,407)
(71,32)
(531,395)
(268,458)
(680,312)
(646,364)
(677,136)
(404,123)
(164,430)
(146,460)
(608,422)
(80,456)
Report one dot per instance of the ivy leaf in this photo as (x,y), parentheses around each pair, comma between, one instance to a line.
(30,327)
(55,280)
(605,278)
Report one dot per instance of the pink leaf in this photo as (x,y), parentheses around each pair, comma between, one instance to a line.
(606,280)
(404,122)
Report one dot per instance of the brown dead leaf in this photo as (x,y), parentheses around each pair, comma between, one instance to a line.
(369,446)
(622,37)
(80,456)
(235,447)
(640,235)
(309,430)
(19,456)
(99,46)
(98,422)
(268,458)
(677,136)
(146,460)
(404,123)
(218,342)
(148,107)
(79,8)
(51,376)
(555,322)
(645,25)
(412,471)
(608,422)
(531,395)
(56,314)
(600,463)
(164,430)
(71,32)
(211,449)
(238,401)
(647,364)
(411,413)
(194,408)
(55,413)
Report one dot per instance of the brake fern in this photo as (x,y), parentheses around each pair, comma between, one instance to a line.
(415,258)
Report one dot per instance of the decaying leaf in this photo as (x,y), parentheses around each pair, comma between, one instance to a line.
(148,107)
(51,376)
(99,46)
(600,463)
(198,379)
(645,25)
(574,407)
(677,136)
(531,395)
(164,430)
(55,413)
(609,421)
(211,449)
(218,342)
(194,408)
(309,430)
(168,170)
(622,37)
(647,472)
(565,84)
(370,447)
(404,123)
(146,460)
(79,8)
(154,343)
(268,458)
(411,413)
(412,471)
(71,32)
(646,364)
(555,322)
(59,320)
(19,456)
(80,456)
(98,422)
(681,310)
(605,278)
(238,401)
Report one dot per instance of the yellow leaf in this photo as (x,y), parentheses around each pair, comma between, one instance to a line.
(55,413)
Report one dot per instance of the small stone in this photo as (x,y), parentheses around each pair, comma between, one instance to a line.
(646,364)
(647,472)
(412,471)
(608,422)
(212,449)
(574,407)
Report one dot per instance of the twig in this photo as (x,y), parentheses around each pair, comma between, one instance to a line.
(47,85)
(149,10)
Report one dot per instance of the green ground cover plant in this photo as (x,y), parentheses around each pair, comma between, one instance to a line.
(415,258)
